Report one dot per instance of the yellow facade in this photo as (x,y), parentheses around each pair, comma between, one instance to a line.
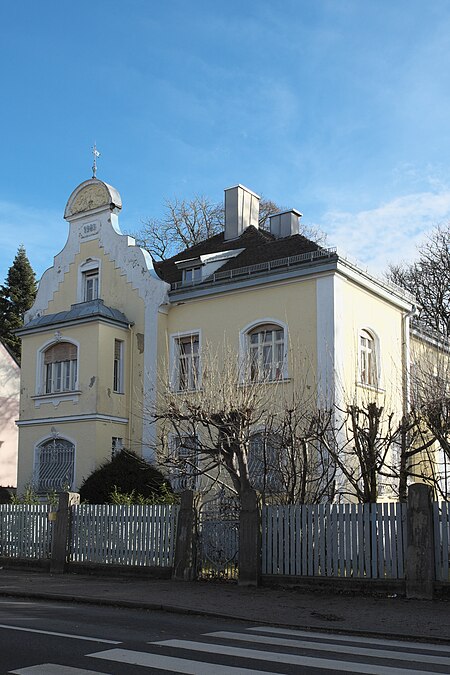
(324,307)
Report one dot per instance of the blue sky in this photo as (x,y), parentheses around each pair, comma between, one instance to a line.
(339,108)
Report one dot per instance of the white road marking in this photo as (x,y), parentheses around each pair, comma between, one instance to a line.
(292,659)
(336,648)
(65,635)
(352,638)
(54,669)
(173,664)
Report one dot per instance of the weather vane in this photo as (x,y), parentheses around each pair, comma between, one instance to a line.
(96,154)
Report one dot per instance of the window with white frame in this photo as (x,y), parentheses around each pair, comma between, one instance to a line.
(368,367)
(54,465)
(184,463)
(91,280)
(118,367)
(60,368)
(265,461)
(191,275)
(266,348)
(187,362)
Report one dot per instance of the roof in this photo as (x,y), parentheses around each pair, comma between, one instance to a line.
(94,309)
(259,247)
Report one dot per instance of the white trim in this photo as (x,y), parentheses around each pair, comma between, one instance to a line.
(243,346)
(173,357)
(90,417)
(56,399)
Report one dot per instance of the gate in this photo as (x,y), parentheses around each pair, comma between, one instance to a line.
(218,537)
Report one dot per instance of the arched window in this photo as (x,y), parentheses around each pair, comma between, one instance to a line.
(54,465)
(368,367)
(60,367)
(265,461)
(266,353)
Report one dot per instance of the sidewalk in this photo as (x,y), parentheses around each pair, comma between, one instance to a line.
(387,616)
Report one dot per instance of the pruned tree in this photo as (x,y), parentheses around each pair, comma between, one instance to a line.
(212,424)
(245,433)
(16,297)
(428,279)
(188,222)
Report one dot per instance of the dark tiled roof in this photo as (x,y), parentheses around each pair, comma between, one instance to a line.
(83,310)
(259,246)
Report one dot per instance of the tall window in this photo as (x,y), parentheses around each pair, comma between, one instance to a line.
(184,472)
(118,367)
(90,284)
(54,465)
(60,364)
(367,359)
(188,363)
(266,353)
(265,460)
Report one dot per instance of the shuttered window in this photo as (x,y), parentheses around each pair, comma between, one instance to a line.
(60,364)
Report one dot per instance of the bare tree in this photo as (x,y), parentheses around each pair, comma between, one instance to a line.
(188,222)
(428,279)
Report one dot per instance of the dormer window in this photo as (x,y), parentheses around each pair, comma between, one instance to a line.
(192,275)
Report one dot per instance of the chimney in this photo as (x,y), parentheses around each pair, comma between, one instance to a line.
(285,224)
(241,210)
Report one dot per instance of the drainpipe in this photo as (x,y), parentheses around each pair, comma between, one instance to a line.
(406,360)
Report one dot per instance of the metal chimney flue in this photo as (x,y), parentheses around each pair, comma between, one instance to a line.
(241,210)
(285,224)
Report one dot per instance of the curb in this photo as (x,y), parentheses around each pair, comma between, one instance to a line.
(176,609)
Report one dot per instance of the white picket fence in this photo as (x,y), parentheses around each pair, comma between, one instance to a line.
(441,513)
(25,531)
(338,540)
(123,535)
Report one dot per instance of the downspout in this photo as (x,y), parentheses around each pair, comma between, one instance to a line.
(407,361)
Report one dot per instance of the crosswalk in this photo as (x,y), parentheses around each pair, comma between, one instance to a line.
(265,650)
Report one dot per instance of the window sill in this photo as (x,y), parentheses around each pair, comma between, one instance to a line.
(281,380)
(56,398)
(371,387)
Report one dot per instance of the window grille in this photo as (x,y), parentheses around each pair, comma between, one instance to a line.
(55,462)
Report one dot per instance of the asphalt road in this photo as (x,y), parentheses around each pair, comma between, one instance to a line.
(42,638)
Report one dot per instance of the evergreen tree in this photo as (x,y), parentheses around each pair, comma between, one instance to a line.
(16,297)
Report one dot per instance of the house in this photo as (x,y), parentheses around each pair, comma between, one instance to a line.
(108,324)
(9,412)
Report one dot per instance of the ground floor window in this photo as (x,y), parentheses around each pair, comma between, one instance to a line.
(54,465)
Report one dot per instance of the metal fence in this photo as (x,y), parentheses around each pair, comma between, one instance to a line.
(123,535)
(441,517)
(340,540)
(25,531)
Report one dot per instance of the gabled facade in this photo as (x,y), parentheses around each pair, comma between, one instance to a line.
(9,412)
(108,324)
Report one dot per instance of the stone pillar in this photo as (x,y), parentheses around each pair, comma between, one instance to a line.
(61,530)
(420,573)
(249,540)
(184,565)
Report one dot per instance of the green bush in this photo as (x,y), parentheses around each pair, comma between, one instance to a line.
(126,474)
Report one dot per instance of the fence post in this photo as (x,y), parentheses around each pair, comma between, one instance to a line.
(420,543)
(184,568)
(249,540)
(61,530)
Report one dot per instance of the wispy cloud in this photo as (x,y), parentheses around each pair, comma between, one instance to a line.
(390,232)
(42,232)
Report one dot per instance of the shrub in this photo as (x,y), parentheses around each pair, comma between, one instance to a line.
(125,474)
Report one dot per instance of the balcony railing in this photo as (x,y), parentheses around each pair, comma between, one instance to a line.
(259,268)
